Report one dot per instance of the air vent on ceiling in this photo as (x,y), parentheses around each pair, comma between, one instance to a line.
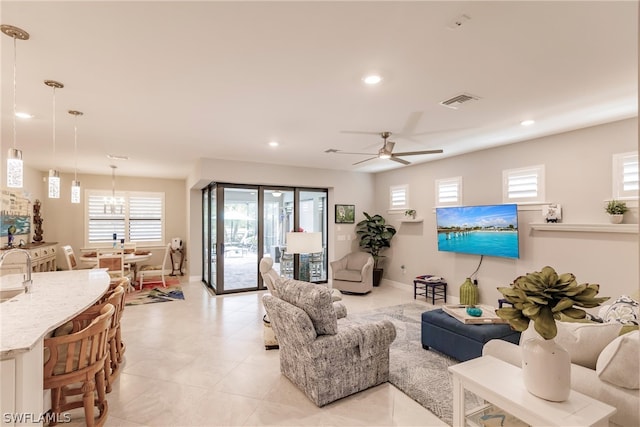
(458,100)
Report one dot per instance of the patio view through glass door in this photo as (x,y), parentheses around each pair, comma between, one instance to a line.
(243,223)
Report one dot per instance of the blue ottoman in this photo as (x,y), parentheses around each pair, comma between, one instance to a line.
(458,340)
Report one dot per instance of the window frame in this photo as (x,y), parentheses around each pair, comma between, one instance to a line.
(90,194)
(393,189)
(511,174)
(619,160)
(440,183)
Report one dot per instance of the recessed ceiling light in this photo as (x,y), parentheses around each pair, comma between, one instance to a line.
(372,79)
(116,157)
(527,122)
(273,144)
(24,115)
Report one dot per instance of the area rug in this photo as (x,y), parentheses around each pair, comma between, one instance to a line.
(154,292)
(421,374)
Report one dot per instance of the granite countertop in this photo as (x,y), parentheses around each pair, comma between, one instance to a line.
(55,298)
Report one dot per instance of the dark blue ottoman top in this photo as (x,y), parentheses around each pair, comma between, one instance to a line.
(482,332)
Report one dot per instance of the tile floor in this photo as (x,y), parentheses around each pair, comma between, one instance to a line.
(202,362)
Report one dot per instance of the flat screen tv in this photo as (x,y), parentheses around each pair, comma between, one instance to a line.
(490,230)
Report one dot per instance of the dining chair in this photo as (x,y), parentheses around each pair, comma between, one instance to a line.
(113,260)
(155,270)
(70,257)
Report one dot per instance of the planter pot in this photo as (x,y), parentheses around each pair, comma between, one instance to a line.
(616,219)
(546,369)
(377,276)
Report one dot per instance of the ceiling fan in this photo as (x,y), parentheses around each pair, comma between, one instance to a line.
(386,152)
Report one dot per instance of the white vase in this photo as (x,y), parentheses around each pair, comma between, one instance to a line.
(546,369)
(616,219)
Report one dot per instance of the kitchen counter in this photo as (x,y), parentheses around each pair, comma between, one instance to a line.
(25,320)
(55,298)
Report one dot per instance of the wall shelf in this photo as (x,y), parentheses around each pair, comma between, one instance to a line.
(412,220)
(589,228)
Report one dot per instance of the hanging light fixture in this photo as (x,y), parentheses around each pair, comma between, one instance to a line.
(54,175)
(75,185)
(113,205)
(14,156)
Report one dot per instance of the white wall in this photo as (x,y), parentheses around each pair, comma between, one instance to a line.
(578,176)
(344,188)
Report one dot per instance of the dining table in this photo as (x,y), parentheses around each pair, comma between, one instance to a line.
(131,258)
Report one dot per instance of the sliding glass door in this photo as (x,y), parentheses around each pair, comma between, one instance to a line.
(243,223)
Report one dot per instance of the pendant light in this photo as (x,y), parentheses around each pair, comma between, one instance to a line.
(14,156)
(113,205)
(75,185)
(54,175)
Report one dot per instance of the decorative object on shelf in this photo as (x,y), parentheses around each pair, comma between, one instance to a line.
(345,214)
(11,231)
(410,213)
(552,213)
(474,311)
(616,210)
(14,156)
(540,298)
(54,174)
(375,235)
(469,294)
(37,220)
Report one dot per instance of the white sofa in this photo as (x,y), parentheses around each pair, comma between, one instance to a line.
(605,365)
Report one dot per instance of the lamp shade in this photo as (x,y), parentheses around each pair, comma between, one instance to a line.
(304,243)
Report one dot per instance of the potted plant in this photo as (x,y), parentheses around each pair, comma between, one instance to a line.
(616,210)
(375,235)
(411,213)
(541,298)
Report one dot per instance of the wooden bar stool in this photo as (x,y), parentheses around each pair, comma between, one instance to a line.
(79,358)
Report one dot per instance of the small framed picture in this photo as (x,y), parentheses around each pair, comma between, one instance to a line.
(345,214)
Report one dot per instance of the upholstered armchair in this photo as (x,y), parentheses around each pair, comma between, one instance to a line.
(325,360)
(353,273)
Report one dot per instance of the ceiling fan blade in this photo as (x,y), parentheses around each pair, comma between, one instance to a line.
(365,160)
(396,159)
(333,150)
(359,132)
(417,153)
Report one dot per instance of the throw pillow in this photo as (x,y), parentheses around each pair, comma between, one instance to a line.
(623,310)
(619,362)
(315,300)
(583,341)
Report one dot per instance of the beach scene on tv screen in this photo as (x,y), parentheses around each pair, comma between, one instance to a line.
(479,230)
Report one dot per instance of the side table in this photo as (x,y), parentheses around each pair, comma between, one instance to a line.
(502,384)
(421,286)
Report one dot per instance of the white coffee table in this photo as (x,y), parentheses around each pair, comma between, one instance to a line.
(502,384)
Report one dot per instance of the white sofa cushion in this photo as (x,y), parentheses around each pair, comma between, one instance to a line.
(583,341)
(619,362)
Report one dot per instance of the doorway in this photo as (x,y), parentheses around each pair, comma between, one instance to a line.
(243,223)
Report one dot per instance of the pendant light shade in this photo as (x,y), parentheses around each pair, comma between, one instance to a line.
(14,156)
(75,184)
(54,175)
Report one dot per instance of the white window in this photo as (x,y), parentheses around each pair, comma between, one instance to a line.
(138,217)
(523,185)
(625,175)
(449,191)
(398,197)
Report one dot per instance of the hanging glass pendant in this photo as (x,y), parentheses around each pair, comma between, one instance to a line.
(14,168)
(54,184)
(75,192)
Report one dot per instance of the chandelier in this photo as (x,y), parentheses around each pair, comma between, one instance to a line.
(113,205)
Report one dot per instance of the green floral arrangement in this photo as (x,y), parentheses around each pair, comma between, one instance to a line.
(616,207)
(542,296)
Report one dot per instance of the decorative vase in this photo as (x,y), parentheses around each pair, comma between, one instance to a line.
(468,293)
(616,219)
(546,369)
